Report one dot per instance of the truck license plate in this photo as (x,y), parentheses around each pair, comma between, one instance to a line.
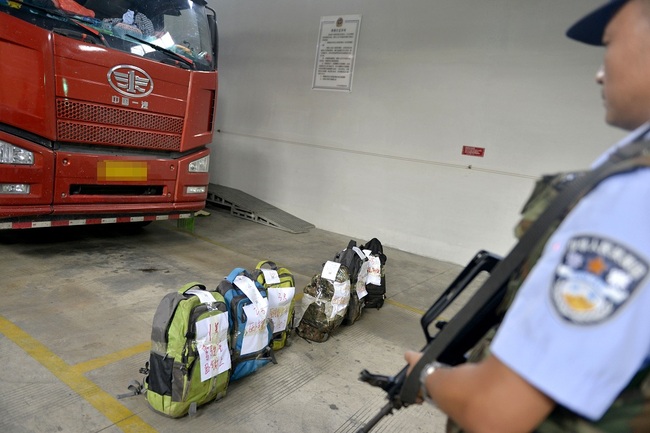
(116,171)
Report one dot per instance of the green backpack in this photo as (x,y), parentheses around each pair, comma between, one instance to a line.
(281,289)
(189,363)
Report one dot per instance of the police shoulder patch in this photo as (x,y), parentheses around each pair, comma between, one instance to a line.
(596,277)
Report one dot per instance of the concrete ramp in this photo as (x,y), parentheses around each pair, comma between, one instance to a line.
(251,208)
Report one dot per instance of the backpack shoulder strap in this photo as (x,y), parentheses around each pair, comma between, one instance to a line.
(268,263)
(189,286)
(236,272)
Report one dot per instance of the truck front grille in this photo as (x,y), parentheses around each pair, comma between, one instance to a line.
(81,122)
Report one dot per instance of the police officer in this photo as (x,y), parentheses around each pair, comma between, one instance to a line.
(573,352)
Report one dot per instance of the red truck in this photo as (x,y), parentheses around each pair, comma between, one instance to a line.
(106,110)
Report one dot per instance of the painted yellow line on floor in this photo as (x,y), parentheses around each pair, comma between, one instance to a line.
(412,309)
(404,306)
(105,403)
(94,364)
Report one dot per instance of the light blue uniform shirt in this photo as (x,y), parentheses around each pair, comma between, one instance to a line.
(579,328)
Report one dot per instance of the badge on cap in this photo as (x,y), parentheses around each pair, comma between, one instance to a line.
(596,277)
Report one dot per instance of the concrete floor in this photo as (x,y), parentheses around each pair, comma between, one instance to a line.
(75,324)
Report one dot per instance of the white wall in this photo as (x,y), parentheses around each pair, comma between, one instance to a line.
(431,76)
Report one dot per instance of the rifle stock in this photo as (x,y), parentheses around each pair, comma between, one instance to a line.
(452,342)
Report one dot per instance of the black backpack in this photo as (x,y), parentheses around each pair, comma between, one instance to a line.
(376,292)
(354,260)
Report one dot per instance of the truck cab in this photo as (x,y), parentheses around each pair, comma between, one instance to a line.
(106,110)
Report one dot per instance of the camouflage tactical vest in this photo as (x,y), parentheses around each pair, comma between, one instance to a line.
(630,412)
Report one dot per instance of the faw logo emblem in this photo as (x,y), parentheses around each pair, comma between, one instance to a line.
(130,81)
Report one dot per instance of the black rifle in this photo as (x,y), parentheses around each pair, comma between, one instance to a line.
(454,349)
(481,312)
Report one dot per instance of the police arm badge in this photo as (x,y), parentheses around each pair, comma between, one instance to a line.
(595,278)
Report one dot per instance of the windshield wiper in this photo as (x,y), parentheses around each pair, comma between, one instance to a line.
(94,35)
(183,60)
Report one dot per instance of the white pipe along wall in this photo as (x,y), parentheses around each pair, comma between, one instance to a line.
(431,76)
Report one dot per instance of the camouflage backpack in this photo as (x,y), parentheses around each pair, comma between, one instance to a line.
(324,304)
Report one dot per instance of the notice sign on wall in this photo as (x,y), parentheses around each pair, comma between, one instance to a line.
(337,48)
(474,151)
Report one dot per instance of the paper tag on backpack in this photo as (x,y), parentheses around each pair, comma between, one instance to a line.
(374,271)
(212,345)
(247,286)
(204,296)
(256,333)
(341,298)
(279,304)
(271,276)
(361,281)
(360,253)
(330,270)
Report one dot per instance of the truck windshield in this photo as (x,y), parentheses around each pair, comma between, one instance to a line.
(156,29)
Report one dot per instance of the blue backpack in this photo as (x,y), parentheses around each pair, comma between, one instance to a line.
(251,330)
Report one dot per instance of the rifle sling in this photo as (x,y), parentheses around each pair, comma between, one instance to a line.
(627,158)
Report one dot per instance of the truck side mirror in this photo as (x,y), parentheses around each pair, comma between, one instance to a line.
(214,33)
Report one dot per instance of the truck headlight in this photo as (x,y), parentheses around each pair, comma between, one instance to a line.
(10,154)
(200,165)
(195,190)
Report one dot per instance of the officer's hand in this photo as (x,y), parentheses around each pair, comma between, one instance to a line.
(412,358)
